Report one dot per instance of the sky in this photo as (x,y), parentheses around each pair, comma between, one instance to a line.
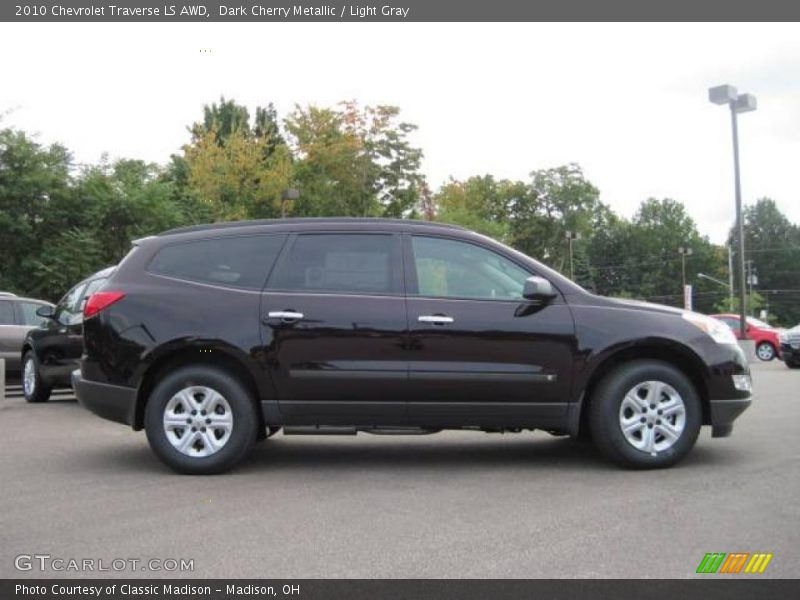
(628,102)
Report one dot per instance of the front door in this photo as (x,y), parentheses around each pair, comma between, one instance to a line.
(60,349)
(334,326)
(480,354)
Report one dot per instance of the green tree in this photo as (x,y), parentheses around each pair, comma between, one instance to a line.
(479,203)
(33,180)
(354,162)
(557,200)
(772,242)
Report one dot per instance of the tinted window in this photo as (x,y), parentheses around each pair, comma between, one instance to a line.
(452,269)
(93,286)
(6,312)
(29,316)
(68,312)
(358,263)
(230,261)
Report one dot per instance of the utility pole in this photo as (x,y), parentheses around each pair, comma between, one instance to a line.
(571,236)
(730,275)
(752,279)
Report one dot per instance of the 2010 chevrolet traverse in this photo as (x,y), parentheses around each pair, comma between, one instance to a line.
(211,337)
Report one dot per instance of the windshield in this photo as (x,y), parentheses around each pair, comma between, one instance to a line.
(758,323)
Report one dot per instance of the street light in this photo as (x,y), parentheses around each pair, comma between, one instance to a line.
(571,237)
(738,103)
(714,279)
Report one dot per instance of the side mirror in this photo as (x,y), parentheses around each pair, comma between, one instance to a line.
(46,311)
(538,288)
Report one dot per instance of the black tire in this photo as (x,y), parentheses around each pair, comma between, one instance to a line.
(245,420)
(766,349)
(793,364)
(606,403)
(41,391)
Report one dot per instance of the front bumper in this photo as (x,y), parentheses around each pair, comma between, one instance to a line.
(724,413)
(112,402)
(790,353)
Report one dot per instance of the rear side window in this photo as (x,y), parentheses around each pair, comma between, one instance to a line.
(241,262)
(345,263)
(6,312)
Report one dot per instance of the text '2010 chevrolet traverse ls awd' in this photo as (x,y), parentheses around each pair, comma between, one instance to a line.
(211,337)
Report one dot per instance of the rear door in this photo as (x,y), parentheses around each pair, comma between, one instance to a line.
(12,333)
(480,353)
(334,327)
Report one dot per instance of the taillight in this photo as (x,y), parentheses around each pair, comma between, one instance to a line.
(100,301)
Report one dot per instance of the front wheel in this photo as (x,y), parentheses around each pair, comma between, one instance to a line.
(200,420)
(765,351)
(34,389)
(645,414)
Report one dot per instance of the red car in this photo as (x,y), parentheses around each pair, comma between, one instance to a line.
(765,336)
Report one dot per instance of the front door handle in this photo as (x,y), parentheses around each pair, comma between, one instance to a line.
(435,319)
(287,316)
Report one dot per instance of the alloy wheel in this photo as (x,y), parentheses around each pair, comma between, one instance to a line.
(29,378)
(652,416)
(765,352)
(198,421)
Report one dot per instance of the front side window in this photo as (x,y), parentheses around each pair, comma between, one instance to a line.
(452,269)
(346,263)
(68,312)
(241,262)
(29,316)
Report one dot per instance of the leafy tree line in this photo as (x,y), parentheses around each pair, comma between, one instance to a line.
(60,222)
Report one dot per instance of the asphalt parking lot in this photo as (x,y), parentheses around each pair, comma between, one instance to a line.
(448,505)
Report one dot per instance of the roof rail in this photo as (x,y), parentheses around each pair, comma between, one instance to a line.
(8,294)
(332,220)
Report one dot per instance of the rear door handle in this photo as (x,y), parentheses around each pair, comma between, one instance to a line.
(287,316)
(435,319)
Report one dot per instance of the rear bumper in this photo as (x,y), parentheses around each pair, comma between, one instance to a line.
(112,402)
(724,413)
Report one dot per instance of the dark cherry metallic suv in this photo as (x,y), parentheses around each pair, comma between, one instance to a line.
(214,336)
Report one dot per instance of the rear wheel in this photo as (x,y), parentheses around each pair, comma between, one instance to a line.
(645,414)
(765,351)
(33,387)
(200,420)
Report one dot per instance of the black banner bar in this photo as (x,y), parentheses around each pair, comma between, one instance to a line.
(397,10)
(711,588)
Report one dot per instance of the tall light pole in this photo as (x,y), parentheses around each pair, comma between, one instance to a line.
(571,237)
(684,252)
(738,103)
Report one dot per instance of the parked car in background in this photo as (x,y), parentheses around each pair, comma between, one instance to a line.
(51,351)
(210,337)
(790,347)
(763,334)
(17,317)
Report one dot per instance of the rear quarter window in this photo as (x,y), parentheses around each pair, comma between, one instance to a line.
(239,262)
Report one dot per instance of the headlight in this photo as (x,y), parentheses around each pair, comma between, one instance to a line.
(718,331)
(783,337)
